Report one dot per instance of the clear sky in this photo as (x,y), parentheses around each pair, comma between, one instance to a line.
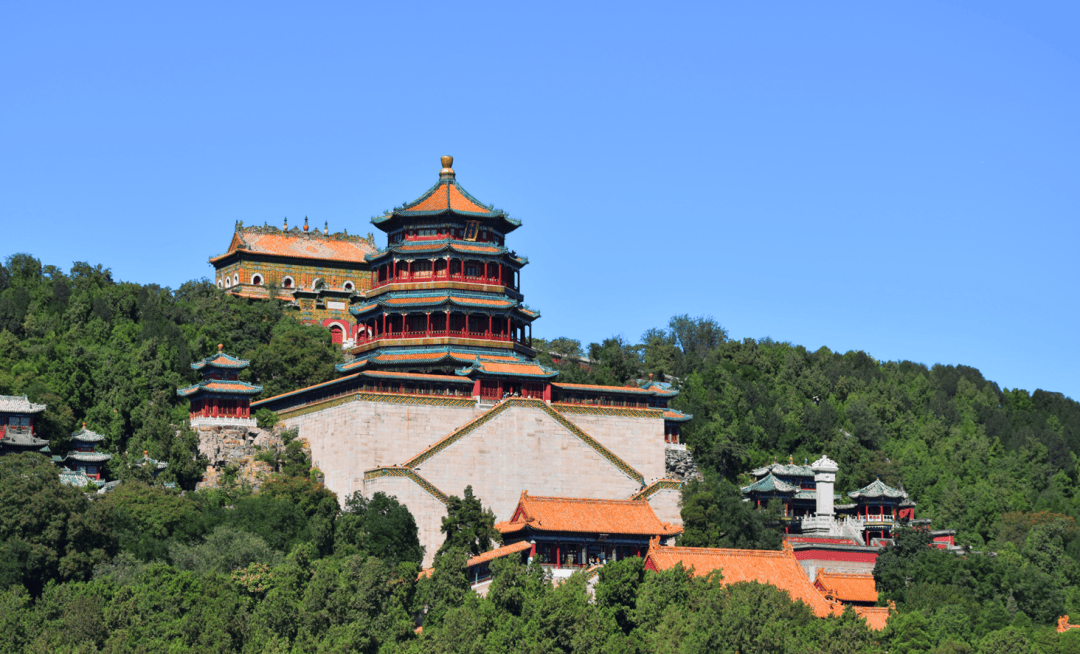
(899,178)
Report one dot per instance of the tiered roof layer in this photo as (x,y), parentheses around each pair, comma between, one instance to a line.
(565,514)
(19,404)
(848,587)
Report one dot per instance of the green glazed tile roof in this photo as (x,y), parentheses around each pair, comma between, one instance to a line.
(87,436)
(220,360)
(769,484)
(877,489)
(783,469)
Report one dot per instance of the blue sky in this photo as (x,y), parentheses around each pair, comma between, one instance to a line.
(900,178)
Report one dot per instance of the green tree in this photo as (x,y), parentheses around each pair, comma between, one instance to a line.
(468,525)
(380,527)
(48,531)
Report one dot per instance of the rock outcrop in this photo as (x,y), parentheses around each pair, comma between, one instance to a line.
(236,446)
(679,464)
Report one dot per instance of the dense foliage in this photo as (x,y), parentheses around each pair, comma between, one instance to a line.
(146,568)
(112,354)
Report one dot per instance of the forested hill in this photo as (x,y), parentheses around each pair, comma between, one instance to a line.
(145,568)
(112,354)
(967,451)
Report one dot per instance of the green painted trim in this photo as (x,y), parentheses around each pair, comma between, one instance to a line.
(409,474)
(621,412)
(655,487)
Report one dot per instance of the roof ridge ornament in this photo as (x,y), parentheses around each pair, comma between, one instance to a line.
(447,172)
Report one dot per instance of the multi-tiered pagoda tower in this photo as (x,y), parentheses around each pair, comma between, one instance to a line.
(446,297)
(220,399)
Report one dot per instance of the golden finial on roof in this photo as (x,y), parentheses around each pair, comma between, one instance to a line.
(220,346)
(447,172)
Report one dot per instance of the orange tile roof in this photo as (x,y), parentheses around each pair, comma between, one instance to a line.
(493,249)
(848,587)
(586,516)
(458,201)
(780,569)
(499,552)
(496,553)
(305,246)
(513,368)
(447,196)
(477,300)
(415,375)
(876,616)
(226,386)
(469,356)
(417,356)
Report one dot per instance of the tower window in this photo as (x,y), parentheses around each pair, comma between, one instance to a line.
(256,280)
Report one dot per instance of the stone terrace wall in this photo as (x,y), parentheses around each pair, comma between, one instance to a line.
(427,511)
(638,441)
(666,505)
(355,436)
(525,449)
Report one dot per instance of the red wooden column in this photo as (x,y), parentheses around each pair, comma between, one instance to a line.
(490,318)
(410,269)
(447,330)
(500,274)
(428,332)
(383,326)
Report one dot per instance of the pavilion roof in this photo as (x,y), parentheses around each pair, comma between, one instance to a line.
(220,360)
(433,299)
(88,457)
(780,569)
(21,437)
(783,469)
(295,243)
(87,436)
(671,415)
(498,553)
(516,369)
(220,386)
(390,374)
(878,489)
(74,478)
(430,355)
(848,587)
(446,197)
(439,246)
(568,514)
(770,484)
(19,404)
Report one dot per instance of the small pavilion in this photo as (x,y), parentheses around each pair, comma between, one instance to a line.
(17,418)
(84,457)
(220,399)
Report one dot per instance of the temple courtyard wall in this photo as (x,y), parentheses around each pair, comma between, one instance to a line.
(500,451)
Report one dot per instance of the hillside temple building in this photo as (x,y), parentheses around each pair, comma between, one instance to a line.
(442,388)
